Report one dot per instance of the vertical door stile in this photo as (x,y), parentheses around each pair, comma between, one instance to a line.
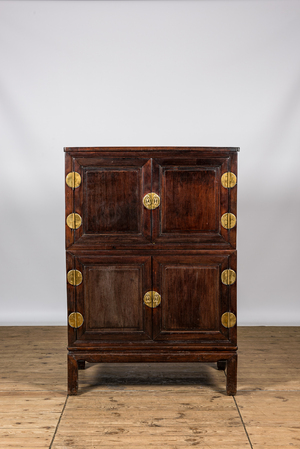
(156,213)
(224,200)
(151,221)
(78,200)
(70,265)
(156,286)
(78,290)
(69,199)
(232,296)
(233,199)
(146,188)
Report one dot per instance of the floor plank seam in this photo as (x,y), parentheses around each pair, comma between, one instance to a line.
(58,422)
(242,422)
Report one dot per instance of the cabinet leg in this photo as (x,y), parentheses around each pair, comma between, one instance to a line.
(72,375)
(81,364)
(231,380)
(221,364)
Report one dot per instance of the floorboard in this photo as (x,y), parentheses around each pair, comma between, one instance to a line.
(149,405)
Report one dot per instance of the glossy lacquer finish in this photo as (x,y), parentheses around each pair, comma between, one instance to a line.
(124,250)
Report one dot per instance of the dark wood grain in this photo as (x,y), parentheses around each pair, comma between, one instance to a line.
(231,373)
(124,250)
(72,374)
(111,297)
(193,297)
(109,200)
(69,208)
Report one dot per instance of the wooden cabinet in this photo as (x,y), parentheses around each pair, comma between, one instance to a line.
(151,256)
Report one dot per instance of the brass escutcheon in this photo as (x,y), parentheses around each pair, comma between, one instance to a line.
(73,179)
(75,320)
(228,319)
(228,180)
(152,299)
(151,201)
(228,277)
(74,277)
(228,220)
(74,221)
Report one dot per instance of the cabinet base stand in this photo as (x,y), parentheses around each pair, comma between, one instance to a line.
(77,361)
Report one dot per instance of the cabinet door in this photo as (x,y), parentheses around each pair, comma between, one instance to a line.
(193,200)
(108,201)
(193,297)
(110,298)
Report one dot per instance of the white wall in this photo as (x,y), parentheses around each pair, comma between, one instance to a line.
(149,73)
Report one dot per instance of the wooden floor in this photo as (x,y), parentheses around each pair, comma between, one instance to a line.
(149,405)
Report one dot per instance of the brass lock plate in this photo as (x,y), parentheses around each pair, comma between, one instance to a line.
(228,220)
(74,221)
(151,201)
(228,277)
(75,320)
(228,180)
(152,299)
(228,319)
(73,180)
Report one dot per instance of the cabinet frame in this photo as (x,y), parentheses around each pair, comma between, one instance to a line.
(150,240)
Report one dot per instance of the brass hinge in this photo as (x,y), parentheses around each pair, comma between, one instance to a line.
(73,180)
(75,320)
(74,277)
(74,221)
(228,180)
(228,277)
(228,220)
(228,319)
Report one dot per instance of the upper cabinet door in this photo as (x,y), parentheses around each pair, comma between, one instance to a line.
(194,200)
(104,201)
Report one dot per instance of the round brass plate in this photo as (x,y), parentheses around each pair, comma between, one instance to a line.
(228,221)
(152,299)
(228,180)
(151,201)
(73,179)
(75,320)
(228,319)
(74,277)
(228,277)
(74,221)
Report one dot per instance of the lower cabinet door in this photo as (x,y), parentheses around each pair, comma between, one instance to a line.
(194,296)
(110,298)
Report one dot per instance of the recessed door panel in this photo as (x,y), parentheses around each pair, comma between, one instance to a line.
(110,298)
(110,292)
(190,198)
(109,202)
(193,297)
(192,202)
(112,201)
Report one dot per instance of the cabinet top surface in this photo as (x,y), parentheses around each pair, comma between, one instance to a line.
(149,149)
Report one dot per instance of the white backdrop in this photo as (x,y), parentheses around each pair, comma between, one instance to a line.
(213,73)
